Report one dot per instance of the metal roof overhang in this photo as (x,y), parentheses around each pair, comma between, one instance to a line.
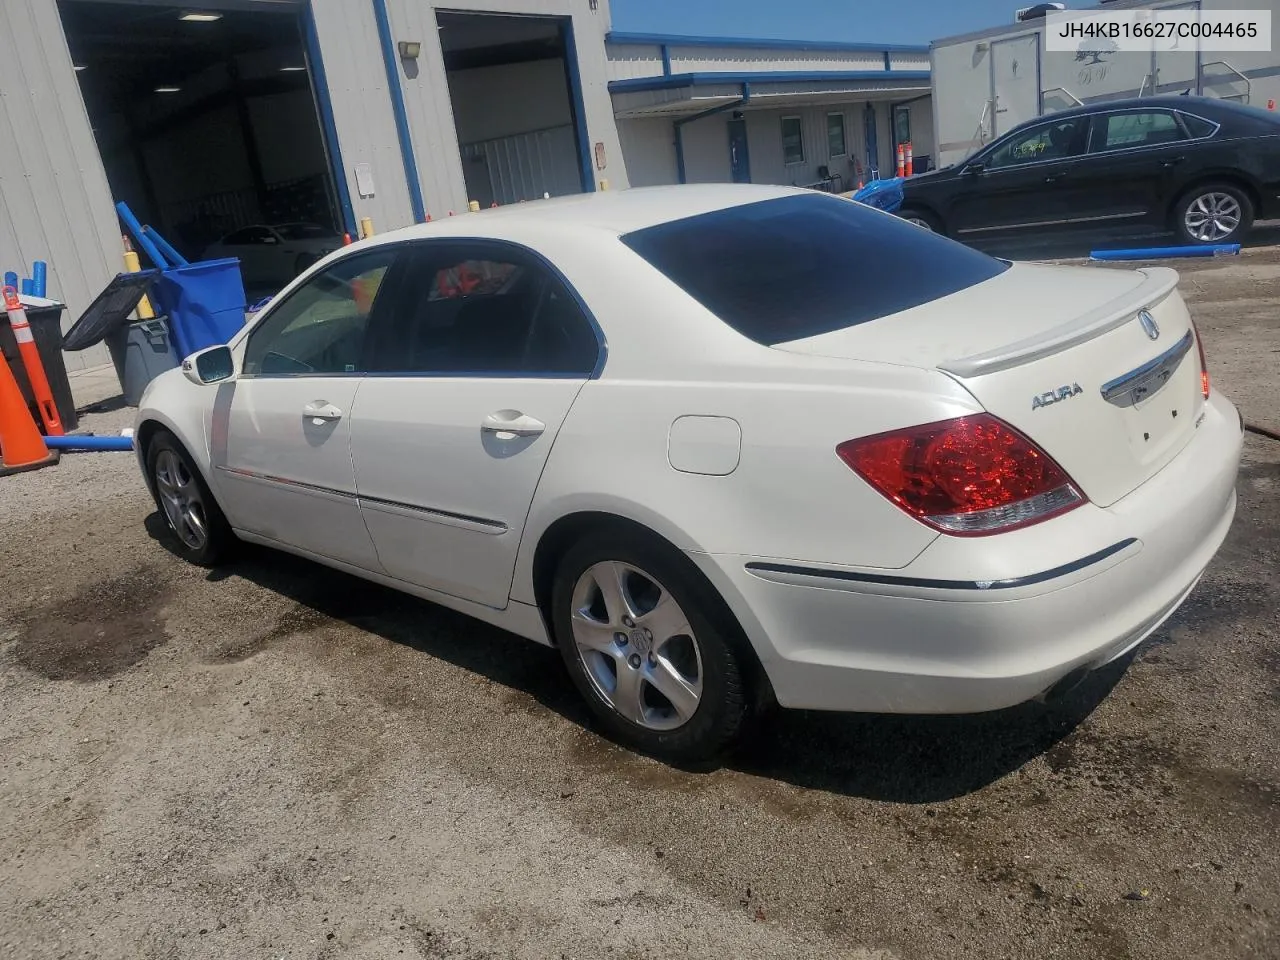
(686,94)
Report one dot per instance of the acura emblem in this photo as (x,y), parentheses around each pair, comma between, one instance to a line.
(1149,324)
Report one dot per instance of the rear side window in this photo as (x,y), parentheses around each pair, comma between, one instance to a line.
(1120,131)
(797,267)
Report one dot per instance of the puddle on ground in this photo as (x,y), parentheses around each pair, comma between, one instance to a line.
(96,634)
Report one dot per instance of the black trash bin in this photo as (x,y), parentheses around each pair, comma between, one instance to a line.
(45,317)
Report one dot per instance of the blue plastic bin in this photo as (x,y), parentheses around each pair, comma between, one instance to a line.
(204,301)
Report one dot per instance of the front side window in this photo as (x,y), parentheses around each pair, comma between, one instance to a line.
(1059,140)
(1121,131)
(835,135)
(792,140)
(320,328)
(486,310)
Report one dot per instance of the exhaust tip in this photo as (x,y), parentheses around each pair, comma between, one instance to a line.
(1065,685)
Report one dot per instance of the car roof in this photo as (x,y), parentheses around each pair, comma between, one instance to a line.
(1188,104)
(613,212)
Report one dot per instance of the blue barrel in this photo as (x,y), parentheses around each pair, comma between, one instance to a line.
(204,302)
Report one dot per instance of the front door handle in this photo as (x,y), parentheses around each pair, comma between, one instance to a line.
(1172,162)
(508,424)
(320,411)
(1054,177)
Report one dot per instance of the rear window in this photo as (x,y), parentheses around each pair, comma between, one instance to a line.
(796,267)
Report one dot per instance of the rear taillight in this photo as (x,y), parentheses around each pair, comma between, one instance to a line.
(971,476)
(1204,364)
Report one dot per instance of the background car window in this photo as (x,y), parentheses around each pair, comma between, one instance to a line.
(487,314)
(321,327)
(1052,141)
(303,231)
(1117,131)
(796,267)
(1199,126)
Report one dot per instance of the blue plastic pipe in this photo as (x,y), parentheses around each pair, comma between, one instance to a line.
(135,228)
(39,271)
(27,287)
(89,443)
(11,279)
(163,246)
(1165,253)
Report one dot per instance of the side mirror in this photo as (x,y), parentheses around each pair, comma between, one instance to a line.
(973,169)
(209,365)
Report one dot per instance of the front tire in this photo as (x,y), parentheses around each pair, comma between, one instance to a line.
(649,647)
(1213,213)
(194,518)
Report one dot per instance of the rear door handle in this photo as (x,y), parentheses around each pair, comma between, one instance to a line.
(506,424)
(321,410)
(1172,162)
(1054,177)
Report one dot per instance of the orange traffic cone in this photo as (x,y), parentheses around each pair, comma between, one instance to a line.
(31,360)
(21,446)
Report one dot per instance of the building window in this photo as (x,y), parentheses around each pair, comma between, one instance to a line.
(792,141)
(835,135)
(901,125)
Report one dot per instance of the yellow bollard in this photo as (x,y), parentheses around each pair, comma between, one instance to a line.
(473,206)
(604,184)
(133,265)
(366,227)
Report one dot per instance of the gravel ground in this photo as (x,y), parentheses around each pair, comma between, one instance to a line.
(275,760)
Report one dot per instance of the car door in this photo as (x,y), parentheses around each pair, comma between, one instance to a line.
(281,431)
(1134,161)
(478,365)
(1026,181)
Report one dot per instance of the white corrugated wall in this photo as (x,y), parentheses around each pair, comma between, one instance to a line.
(55,204)
(357,85)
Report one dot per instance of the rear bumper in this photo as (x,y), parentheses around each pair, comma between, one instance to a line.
(978,624)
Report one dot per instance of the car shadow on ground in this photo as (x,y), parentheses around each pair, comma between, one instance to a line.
(901,759)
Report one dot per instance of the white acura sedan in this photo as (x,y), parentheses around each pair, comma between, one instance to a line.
(722,445)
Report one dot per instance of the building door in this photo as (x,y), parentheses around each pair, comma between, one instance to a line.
(1015,82)
(739,155)
(873,146)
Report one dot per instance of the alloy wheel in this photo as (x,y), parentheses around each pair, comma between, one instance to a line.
(181,499)
(1212,217)
(637,646)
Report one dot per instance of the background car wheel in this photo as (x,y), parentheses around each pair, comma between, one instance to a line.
(203,535)
(304,261)
(1213,213)
(647,646)
(921,218)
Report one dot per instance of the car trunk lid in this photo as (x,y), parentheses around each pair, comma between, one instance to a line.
(1062,354)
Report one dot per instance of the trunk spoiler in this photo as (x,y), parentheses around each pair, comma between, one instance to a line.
(1158,283)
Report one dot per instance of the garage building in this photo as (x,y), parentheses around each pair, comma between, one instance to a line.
(214,120)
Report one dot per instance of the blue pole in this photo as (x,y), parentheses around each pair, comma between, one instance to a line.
(11,279)
(72,442)
(39,271)
(389,58)
(135,228)
(163,246)
(1166,253)
(26,288)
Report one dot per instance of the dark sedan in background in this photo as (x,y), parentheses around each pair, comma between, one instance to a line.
(1203,168)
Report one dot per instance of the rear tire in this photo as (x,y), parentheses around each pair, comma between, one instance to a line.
(921,218)
(1212,213)
(650,647)
(198,525)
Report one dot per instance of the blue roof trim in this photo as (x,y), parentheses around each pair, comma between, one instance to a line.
(758,43)
(781,76)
